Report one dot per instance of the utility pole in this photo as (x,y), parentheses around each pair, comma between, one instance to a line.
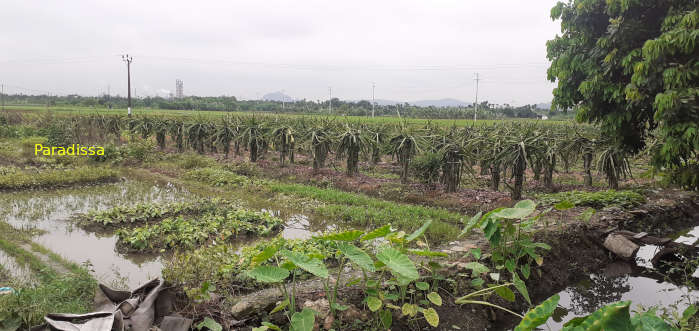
(128,59)
(330,90)
(2,96)
(373,101)
(475,112)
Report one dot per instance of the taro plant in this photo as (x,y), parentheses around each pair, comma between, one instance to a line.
(508,230)
(615,316)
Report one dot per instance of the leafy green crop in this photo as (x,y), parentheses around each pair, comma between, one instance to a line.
(599,199)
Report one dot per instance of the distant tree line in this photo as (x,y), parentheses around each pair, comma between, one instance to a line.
(230,103)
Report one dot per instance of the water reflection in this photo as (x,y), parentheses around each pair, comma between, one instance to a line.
(617,283)
(49,211)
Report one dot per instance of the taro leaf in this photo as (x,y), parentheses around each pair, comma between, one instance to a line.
(271,326)
(648,321)
(563,205)
(373,303)
(268,274)
(688,313)
(209,324)
(409,309)
(505,293)
(431,316)
(510,265)
(350,235)
(476,252)
(386,318)
(427,253)
(434,298)
(610,317)
(477,282)
(419,231)
(521,210)
(265,255)
(525,270)
(313,266)
(280,306)
(538,315)
(478,268)
(521,287)
(377,233)
(471,224)
(399,263)
(422,286)
(303,320)
(356,255)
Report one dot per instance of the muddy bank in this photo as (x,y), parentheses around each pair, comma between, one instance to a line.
(577,250)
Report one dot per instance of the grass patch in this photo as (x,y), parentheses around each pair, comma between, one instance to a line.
(362,210)
(52,293)
(216,177)
(600,199)
(15,178)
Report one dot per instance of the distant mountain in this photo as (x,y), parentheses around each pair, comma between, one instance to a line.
(448,102)
(544,105)
(277,96)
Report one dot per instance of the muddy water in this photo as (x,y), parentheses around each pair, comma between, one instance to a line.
(618,282)
(19,273)
(50,211)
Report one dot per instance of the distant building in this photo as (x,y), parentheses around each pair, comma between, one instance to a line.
(179,89)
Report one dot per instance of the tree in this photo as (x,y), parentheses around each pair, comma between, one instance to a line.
(632,67)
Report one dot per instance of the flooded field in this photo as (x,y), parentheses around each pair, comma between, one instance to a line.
(50,212)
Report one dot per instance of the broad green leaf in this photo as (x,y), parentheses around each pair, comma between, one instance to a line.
(505,293)
(377,233)
(521,287)
(419,231)
(280,306)
(521,210)
(477,268)
(538,315)
(422,286)
(431,317)
(399,263)
(510,265)
(525,270)
(357,255)
(209,324)
(611,317)
(477,282)
(564,205)
(434,298)
(409,309)
(386,318)
(271,326)
(373,303)
(313,266)
(648,321)
(303,320)
(350,235)
(525,204)
(688,313)
(268,274)
(427,253)
(471,224)
(476,252)
(265,255)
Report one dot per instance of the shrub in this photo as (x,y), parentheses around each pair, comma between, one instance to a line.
(142,150)
(191,160)
(216,177)
(47,178)
(426,166)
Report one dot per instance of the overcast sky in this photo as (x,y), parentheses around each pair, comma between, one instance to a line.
(412,50)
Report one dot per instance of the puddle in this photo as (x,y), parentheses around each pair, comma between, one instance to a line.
(49,211)
(615,284)
(689,238)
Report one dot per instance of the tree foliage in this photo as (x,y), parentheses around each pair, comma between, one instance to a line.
(632,67)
